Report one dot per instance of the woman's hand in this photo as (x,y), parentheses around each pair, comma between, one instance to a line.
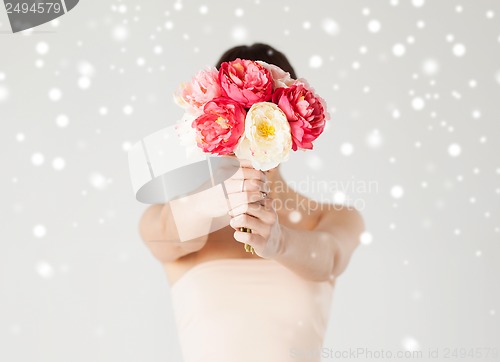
(250,207)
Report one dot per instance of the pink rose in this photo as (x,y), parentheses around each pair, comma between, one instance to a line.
(305,111)
(280,77)
(219,128)
(245,81)
(202,88)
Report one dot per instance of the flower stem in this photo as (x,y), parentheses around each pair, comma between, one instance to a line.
(248,248)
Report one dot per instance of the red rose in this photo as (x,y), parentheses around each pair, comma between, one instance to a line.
(219,128)
(304,110)
(245,81)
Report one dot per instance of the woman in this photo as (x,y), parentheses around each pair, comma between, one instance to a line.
(271,305)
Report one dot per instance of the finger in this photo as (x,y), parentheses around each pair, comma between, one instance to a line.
(236,185)
(249,173)
(245,163)
(267,215)
(238,198)
(245,208)
(268,204)
(255,224)
(256,196)
(251,239)
(257,185)
(233,185)
(244,237)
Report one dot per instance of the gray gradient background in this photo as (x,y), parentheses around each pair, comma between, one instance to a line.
(86,289)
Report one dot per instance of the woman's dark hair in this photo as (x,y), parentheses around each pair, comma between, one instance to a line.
(258,51)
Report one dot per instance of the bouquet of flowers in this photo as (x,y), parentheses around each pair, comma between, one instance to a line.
(253,110)
(250,109)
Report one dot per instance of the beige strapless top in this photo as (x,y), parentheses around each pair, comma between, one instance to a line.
(255,310)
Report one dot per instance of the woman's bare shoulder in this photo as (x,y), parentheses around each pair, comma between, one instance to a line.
(342,216)
(330,212)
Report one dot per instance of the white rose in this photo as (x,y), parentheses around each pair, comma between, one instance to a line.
(281,78)
(267,139)
(187,135)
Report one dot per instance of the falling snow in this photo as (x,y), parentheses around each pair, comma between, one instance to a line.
(58,163)
(410,344)
(20,137)
(430,67)
(374,26)
(239,33)
(44,269)
(98,181)
(42,48)
(203,9)
(39,231)
(4,93)
(84,82)
(374,139)
(37,159)
(128,109)
(397,191)
(418,103)
(62,121)
(120,33)
(294,216)
(346,149)
(398,50)
(339,197)
(454,150)
(366,238)
(459,50)
(55,94)
(330,26)
(412,96)
(314,162)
